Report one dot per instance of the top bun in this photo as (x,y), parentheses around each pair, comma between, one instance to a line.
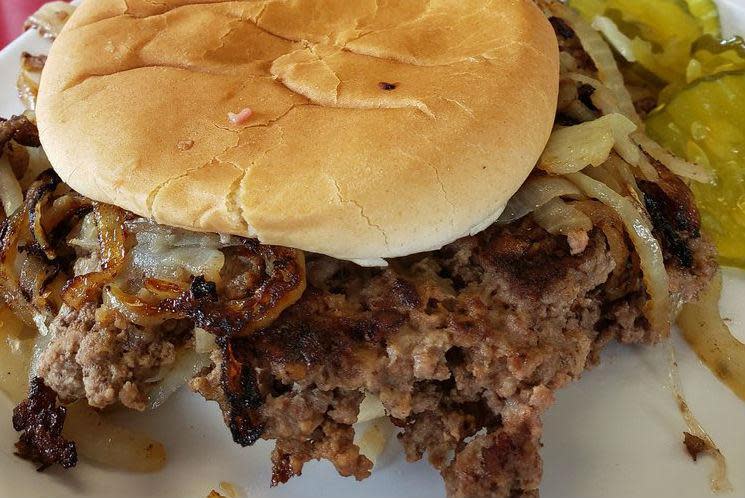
(378,128)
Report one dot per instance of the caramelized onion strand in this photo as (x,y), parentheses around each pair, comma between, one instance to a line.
(658,307)
(85,288)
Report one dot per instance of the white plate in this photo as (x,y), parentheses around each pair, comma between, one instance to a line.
(614,434)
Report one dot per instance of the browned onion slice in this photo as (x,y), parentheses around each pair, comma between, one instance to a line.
(50,18)
(37,201)
(281,285)
(63,208)
(29,77)
(710,337)
(11,195)
(85,288)
(14,232)
(602,55)
(135,309)
(163,289)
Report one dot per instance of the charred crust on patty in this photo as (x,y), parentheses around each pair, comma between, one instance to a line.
(524,255)
(40,419)
(200,289)
(242,395)
(674,216)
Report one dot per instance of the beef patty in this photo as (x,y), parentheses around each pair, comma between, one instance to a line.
(464,347)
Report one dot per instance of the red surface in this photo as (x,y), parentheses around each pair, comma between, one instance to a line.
(12,15)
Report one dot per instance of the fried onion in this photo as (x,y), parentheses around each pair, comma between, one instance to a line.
(85,288)
(708,335)
(12,236)
(573,148)
(188,363)
(602,56)
(658,308)
(11,194)
(535,192)
(281,284)
(680,167)
(29,78)
(558,217)
(50,19)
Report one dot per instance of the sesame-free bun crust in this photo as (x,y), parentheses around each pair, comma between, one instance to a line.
(134,102)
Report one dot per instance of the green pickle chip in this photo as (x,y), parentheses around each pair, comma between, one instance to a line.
(710,55)
(662,32)
(707,14)
(705,123)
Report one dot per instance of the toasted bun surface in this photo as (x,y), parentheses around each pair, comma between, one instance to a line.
(379,128)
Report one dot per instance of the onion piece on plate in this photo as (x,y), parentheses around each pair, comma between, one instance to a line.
(711,339)
(29,77)
(16,344)
(11,195)
(719,481)
(373,437)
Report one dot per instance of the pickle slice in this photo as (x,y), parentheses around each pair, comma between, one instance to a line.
(707,13)
(710,55)
(705,122)
(589,9)
(661,31)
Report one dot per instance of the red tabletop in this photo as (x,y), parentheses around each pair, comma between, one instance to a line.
(12,15)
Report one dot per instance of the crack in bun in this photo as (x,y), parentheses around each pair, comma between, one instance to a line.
(376,129)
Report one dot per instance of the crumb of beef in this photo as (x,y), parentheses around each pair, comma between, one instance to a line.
(96,354)
(40,421)
(695,445)
(577,240)
(504,462)
(330,441)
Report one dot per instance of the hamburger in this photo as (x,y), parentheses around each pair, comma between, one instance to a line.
(443,210)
